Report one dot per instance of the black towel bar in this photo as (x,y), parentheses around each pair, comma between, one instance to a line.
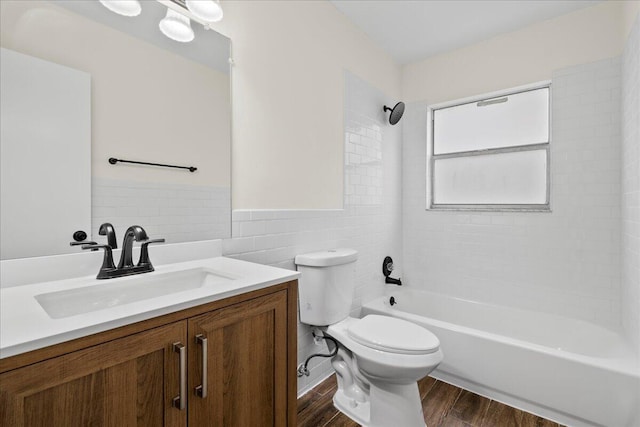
(113,161)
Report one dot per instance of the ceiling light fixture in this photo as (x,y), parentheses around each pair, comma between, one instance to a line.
(176,26)
(177,23)
(207,10)
(123,7)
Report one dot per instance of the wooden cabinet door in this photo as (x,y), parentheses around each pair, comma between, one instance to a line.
(129,381)
(246,364)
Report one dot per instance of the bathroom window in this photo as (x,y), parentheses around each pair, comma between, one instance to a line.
(491,152)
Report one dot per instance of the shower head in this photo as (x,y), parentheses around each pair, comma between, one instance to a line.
(396,112)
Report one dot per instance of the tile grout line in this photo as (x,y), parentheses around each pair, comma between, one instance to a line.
(448,411)
(486,412)
(446,414)
(328,423)
(426,393)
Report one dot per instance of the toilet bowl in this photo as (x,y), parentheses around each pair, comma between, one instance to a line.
(380,362)
(379,359)
(388,348)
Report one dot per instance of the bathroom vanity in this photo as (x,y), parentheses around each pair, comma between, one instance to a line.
(223,353)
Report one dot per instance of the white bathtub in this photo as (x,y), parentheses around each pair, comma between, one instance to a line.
(567,370)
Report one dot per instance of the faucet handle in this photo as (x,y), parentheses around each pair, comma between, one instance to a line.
(144,252)
(148,242)
(87,243)
(90,245)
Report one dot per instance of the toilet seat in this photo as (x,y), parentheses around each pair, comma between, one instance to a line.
(385,365)
(393,335)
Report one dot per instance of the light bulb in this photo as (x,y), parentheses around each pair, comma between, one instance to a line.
(207,10)
(123,7)
(176,26)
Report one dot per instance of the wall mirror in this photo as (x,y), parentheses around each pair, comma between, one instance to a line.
(81,85)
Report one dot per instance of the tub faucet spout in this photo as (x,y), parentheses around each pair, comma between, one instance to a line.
(393,281)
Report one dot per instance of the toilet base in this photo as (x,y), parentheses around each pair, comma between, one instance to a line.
(389,405)
(357,411)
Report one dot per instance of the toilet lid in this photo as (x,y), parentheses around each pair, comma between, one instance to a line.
(393,335)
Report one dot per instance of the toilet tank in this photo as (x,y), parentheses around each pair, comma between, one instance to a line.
(326,285)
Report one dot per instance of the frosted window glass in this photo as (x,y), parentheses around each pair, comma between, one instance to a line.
(507,178)
(523,119)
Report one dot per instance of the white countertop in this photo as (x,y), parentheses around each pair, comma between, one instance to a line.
(26,326)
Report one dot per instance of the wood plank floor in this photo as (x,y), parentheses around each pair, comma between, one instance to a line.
(444,405)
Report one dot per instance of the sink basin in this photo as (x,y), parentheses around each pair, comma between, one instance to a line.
(126,290)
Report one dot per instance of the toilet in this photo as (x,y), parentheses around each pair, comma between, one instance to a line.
(379,358)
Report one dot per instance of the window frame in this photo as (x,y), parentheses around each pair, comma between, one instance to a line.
(431,157)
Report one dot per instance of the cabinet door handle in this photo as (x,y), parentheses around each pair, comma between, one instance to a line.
(180,401)
(201,390)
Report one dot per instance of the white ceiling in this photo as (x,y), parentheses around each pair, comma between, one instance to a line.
(412,30)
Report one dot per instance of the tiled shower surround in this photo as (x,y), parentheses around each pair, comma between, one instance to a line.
(565,262)
(369,222)
(631,187)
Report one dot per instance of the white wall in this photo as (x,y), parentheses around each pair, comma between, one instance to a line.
(519,57)
(568,261)
(290,57)
(300,128)
(630,295)
(369,222)
(630,11)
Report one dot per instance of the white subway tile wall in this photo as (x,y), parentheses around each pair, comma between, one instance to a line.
(565,262)
(178,213)
(369,222)
(630,294)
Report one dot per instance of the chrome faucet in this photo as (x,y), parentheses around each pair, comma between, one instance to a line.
(126,267)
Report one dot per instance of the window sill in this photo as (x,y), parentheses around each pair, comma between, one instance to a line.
(467,208)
